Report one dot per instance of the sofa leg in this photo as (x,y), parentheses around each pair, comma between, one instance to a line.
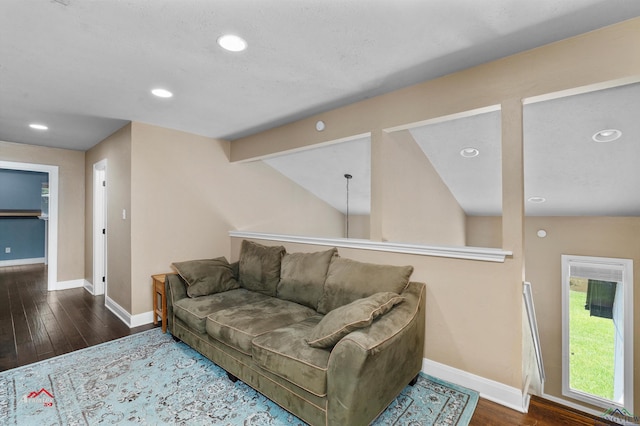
(176,339)
(232,377)
(413,381)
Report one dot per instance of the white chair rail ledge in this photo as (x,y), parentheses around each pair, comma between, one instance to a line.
(469,253)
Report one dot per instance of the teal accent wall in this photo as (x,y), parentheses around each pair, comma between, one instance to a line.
(21,190)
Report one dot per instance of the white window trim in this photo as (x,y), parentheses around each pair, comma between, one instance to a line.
(627,267)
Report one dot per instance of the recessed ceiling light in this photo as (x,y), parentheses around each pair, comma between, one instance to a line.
(38,126)
(232,43)
(162,93)
(469,152)
(608,135)
(536,200)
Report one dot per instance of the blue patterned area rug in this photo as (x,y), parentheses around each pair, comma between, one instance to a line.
(149,379)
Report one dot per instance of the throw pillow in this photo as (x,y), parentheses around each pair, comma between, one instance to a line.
(259,267)
(302,276)
(349,280)
(206,276)
(345,319)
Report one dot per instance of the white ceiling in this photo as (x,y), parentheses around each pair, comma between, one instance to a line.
(475,182)
(86,68)
(321,171)
(576,175)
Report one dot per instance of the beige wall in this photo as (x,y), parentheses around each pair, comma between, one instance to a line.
(474,309)
(70,200)
(186,196)
(582,236)
(359,226)
(182,196)
(484,231)
(418,206)
(116,149)
(177,214)
(299,200)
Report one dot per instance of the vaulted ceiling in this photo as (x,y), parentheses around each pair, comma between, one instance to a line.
(86,68)
(567,172)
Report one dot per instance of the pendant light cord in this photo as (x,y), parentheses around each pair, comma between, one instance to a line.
(348,177)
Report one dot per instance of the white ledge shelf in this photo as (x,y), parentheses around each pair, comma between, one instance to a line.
(468,253)
(20,213)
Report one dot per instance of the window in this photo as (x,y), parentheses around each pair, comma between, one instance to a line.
(597,330)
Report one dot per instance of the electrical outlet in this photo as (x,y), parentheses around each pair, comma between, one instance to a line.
(7,249)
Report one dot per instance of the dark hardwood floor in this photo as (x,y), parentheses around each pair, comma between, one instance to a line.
(36,324)
(542,412)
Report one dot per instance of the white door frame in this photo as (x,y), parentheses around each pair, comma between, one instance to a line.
(99,227)
(52,234)
(626,266)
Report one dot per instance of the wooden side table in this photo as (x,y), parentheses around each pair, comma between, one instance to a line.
(158,292)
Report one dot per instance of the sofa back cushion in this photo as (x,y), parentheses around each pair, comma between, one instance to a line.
(349,280)
(302,276)
(259,267)
(206,276)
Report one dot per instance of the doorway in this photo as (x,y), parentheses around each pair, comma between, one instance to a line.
(52,228)
(597,330)
(100,227)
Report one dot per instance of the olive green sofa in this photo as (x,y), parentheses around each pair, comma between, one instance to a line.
(329,339)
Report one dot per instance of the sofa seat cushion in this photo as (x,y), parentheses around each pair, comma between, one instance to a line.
(238,326)
(194,311)
(285,353)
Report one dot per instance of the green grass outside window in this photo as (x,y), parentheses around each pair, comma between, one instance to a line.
(591,348)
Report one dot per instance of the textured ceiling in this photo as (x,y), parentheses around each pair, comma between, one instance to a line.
(321,171)
(475,182)
(86,68)
(576,175)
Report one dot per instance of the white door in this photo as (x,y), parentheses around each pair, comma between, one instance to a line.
(99,227)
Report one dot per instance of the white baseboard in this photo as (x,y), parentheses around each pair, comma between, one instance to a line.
(20,262)
(118,310)
(489,389)
(130,320)
(65,285)
(141,319)
(89,287)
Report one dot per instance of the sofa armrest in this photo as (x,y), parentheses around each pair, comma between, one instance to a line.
(369,367)
(175,289)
